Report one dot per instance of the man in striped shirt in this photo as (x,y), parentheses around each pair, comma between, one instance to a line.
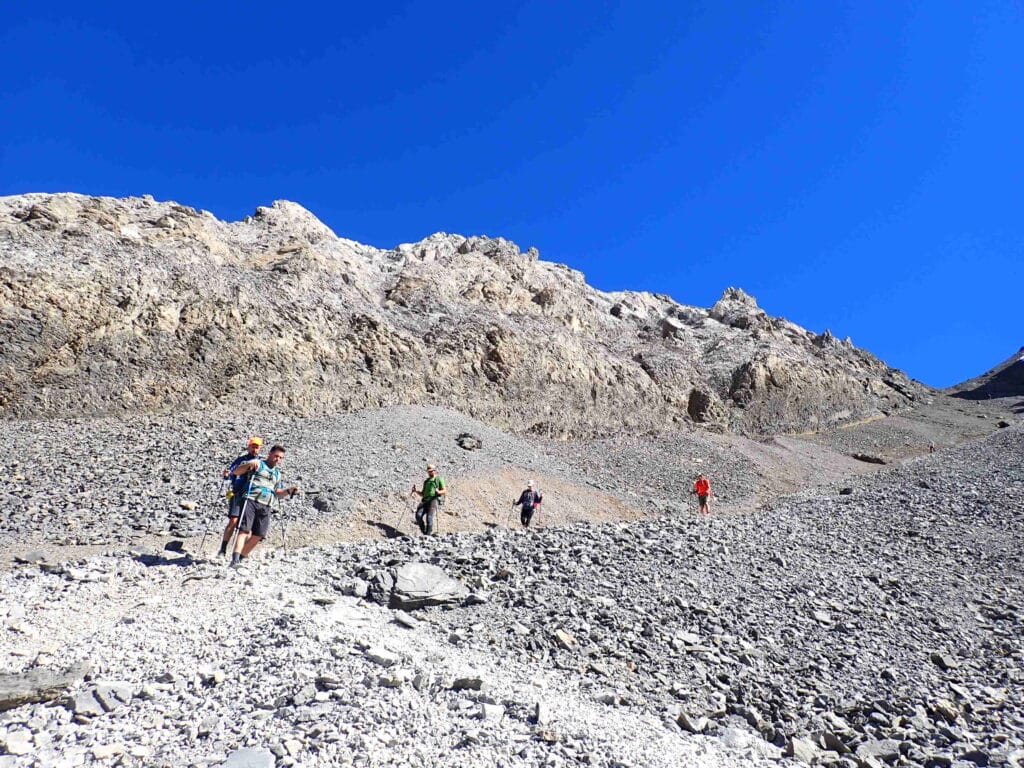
(264,487)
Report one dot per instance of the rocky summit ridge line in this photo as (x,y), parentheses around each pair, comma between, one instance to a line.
(131,305)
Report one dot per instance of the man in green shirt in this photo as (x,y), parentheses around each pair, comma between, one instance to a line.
(434,489)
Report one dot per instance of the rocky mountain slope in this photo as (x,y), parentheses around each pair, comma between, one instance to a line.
(1006,380)
(132,305)
(881,625)
(830,611)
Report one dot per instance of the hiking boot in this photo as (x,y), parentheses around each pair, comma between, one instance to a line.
(236,560)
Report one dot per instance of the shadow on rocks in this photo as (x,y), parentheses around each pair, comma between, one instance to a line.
(157,560)
(389,531)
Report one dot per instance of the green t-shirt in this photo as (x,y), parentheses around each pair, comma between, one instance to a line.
(431,486)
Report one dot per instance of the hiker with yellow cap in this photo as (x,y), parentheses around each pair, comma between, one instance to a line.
(239,488)
(432,494)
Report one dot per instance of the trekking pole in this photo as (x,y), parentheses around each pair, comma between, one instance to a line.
(401,517)
(284,532)
(220,492)
(509,519)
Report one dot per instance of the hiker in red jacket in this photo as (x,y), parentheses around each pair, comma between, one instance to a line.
(702,487)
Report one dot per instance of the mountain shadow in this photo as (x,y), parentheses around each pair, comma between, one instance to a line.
(1005,380)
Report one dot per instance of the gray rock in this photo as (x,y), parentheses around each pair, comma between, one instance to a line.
(418,585)
(944,662)
(33,558)
(491,712)
(802,750)
(322,504)
(249,758)
(406,620)
(881,749)
(945,709)
(37,685)
(360,589)
(834,743)
(977,756)
(469,684)
(692,724)
(113,694)
(868,458)
(541,713)
(85,703)
(18,742)
(382,656)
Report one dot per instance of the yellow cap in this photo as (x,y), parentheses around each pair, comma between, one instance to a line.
(256,440)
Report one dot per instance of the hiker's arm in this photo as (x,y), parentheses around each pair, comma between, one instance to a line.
(442,489)
(418,493)
(281,492)
(245,467)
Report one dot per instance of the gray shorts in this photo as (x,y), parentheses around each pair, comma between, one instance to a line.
(255,518)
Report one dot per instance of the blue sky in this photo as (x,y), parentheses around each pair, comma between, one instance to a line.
(856,166)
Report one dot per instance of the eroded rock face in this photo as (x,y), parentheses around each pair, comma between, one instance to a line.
(129,305)
(704,407)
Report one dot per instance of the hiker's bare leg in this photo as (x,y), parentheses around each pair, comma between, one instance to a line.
(250,544)
(240,541)
(229,528)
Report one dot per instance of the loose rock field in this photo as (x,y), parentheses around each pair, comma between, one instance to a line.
(881,626)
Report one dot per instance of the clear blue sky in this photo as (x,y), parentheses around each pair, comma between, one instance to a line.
(856,166)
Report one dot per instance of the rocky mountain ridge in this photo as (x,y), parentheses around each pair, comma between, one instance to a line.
(1005,380)
(132,305)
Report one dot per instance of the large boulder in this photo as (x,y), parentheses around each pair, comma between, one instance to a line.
(418,585)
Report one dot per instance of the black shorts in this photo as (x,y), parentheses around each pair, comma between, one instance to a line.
(235,505)
(255,518)
(702,499)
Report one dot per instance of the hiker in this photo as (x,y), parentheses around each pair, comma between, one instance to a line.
(264,487)
(530,501)
(702,487)
(239,487)
(432,494)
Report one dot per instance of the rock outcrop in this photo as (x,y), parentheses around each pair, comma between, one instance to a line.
(35,685)
(132,305)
